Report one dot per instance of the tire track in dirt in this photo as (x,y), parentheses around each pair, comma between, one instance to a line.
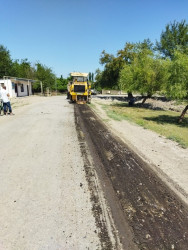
(108,233)
(156,216)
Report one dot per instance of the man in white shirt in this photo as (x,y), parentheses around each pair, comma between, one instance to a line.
(6,103)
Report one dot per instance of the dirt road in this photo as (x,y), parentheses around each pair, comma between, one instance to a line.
(157,217)
(44,195)
(67,183)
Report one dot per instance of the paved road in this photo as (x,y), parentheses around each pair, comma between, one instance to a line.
(44,198)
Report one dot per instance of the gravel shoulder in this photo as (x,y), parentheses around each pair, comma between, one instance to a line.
(166,157)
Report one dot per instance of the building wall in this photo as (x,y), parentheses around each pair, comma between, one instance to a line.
(14,94)
(8,85)
(23,89)
(30,89)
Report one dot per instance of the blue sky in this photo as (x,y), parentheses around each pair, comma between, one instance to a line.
(69,35)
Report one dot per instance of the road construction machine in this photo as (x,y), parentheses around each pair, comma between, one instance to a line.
(79,89)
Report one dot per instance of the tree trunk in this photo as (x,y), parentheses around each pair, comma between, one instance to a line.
(131,99)
(144,99)
(183,114)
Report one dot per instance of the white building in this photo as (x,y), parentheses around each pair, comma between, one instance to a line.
(17,87)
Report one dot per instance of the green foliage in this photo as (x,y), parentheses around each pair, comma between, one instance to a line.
(145,75)
(98,78)
(174,36)
(24,69)
(61,84)
(5,61)
(126,80)
(45,75)
(109,77)
(139,68)
(91,77)
(92,85)
(105,58)
(126,55)
(36,86)
(177,84)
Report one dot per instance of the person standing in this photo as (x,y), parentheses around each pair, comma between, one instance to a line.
(6,103)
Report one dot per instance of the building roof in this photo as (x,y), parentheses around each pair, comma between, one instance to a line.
(18,79)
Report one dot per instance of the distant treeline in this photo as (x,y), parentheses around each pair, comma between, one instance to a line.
(148,68)
(25,69)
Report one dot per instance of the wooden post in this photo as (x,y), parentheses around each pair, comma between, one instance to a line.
(41,87)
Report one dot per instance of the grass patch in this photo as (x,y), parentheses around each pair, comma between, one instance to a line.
(113,114)
(91,105)
(178,140)
(160,121)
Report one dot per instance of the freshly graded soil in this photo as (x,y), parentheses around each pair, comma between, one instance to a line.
(157,218)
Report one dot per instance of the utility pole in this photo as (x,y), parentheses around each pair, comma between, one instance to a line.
(41,87)
(56,85)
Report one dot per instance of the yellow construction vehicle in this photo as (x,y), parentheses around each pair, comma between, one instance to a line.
(79,89)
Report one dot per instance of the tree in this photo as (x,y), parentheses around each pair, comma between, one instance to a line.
(15,68)
(61,84)
(113,65)
(36,86)
(5,61)
(175,35)
(177,84)
(150,74)
(126,80)
(90,76)
(127,54)
(23,69)
(146,44)
(98,79)
(45,75)
(105,58)
(146,74)
(107,77)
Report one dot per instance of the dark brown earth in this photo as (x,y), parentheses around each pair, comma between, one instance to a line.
(151,215)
